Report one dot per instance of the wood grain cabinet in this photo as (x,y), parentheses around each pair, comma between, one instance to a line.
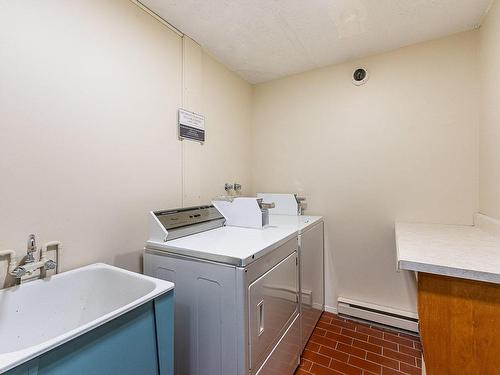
(459,325)
(458,279)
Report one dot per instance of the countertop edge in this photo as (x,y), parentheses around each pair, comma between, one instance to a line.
(449,271)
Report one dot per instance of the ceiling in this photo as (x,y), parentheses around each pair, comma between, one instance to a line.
(263,40)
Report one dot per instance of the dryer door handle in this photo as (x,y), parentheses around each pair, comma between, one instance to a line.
(260,317)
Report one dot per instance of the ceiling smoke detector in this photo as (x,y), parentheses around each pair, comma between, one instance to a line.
(360,76)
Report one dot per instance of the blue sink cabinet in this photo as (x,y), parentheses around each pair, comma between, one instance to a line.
(138,342)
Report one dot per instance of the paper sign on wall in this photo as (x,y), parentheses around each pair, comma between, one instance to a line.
(191,126)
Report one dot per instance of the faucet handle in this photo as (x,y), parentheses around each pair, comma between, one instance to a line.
(50,265)
(19,272)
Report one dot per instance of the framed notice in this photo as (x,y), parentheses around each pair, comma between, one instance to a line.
(191,126)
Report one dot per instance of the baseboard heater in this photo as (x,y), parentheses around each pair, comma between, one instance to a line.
(378,314)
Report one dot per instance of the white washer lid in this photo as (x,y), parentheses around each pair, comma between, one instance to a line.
(300,223)
(231,245)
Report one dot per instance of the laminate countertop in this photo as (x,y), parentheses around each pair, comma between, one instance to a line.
(467,252)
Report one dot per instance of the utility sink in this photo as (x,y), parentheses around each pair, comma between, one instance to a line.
(40,315)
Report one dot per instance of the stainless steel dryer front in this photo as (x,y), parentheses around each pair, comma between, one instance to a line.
(237,291)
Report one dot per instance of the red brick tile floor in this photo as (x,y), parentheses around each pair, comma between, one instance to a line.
(340,346)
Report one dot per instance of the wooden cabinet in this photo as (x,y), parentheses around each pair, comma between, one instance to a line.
(459,325)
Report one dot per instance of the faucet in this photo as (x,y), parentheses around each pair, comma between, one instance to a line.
(301,204)
(30,265)
(30,258)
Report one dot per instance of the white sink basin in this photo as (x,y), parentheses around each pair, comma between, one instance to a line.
(38,316)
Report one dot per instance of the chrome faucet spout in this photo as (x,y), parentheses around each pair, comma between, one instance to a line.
(31,249)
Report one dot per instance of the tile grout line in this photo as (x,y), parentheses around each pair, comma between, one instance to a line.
(385,336)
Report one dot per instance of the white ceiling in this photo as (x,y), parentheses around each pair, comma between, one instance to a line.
(266,39)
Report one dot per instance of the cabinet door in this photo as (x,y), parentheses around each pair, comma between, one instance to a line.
(126,346)
(272,303)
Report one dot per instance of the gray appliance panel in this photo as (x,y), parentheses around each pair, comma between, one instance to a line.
(311,255)
(212,315)
(181,222)
(310,225)
(272,303)
(208,322)
(183,217)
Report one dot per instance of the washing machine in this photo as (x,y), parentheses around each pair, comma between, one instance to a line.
(236,292)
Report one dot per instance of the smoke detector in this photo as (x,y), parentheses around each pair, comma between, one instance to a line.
(360,76)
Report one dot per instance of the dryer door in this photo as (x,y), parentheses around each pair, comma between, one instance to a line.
(273,304)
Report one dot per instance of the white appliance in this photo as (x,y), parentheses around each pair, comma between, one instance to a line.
(310,230)
(236,295)
(246,212)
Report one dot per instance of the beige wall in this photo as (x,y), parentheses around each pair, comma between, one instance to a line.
(489,133)
(88,140)
(225,99)
(88,99)
(402,147)
(228,104)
